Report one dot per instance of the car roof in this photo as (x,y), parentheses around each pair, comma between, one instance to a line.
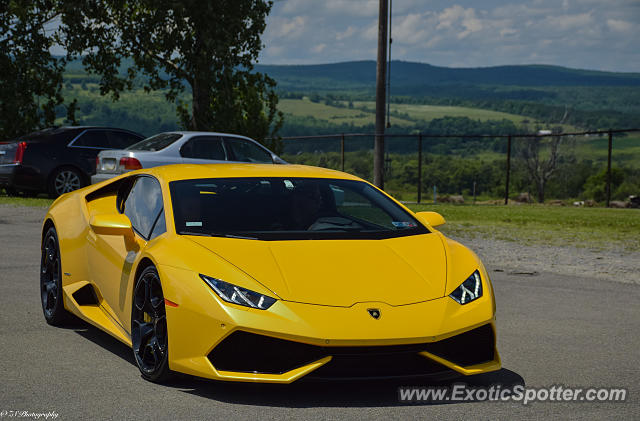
(195,133)
(232,170)
(55,130)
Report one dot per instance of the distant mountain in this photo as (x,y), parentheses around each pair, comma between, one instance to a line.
(361,75)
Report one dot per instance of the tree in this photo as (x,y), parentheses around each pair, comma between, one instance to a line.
(209,46)
(30,77)
(538,168)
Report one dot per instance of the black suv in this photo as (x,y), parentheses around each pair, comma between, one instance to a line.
(57,160)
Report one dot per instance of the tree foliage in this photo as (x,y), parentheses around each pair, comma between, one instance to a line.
(207,46)
(30,77)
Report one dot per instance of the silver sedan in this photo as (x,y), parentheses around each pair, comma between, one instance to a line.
(182,148)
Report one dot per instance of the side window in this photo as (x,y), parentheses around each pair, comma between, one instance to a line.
(245,151)
(204,148)
(121,140)
(144,207)
(93,139)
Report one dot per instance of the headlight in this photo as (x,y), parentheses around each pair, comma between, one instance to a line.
(237,295)
(469,290)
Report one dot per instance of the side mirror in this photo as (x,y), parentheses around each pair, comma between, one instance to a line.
(111,224)
(433,219)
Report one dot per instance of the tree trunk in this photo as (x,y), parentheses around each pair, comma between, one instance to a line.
(201,105)
(540,188)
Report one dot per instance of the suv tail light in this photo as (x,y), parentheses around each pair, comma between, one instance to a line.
(22,146)
(97,162)
(130,163)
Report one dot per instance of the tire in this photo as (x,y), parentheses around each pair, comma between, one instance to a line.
(11,191)
(65,180)
(51,280)
(149,327)
(30,193)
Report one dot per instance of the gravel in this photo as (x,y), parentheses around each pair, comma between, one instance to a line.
(611,264)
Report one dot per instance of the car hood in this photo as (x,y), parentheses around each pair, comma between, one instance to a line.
(395,271)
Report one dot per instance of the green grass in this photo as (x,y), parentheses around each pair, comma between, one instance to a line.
(336,115)
(364,113)
(430,112)
(597,228)
(36,202)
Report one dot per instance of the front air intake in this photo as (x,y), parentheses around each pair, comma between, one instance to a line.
(252,353)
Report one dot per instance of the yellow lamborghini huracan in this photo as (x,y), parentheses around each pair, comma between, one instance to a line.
(266,273)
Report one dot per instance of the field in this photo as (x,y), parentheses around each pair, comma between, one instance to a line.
(429,112)
(626,150)
(320,111)
(363,112)
(596,228)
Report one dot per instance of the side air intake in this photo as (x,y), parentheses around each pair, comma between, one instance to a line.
(86,296)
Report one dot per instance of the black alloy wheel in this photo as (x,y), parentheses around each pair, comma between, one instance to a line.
(51,280)
(149,327)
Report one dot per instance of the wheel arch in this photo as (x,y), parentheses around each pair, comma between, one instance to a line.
(48,223)
(144,263)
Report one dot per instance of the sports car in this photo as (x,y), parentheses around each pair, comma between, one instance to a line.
(266,273)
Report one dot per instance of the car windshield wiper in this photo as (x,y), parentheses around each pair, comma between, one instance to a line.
(244,237)
(201,234)
(215,234)
(337,228)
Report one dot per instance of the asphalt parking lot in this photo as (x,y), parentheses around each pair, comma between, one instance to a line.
(552,330)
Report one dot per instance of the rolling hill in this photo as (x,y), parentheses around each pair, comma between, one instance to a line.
(362,74)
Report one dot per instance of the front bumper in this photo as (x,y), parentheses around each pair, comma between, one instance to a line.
(293,340)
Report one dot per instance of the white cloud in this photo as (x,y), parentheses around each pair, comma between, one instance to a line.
(319,48)
(620,25)
(286,27)
(370,33)
(412,29)
(570,22)
(505,32)
(577,33)
(348,33)
(367,8)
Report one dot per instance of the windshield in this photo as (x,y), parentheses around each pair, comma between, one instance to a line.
(287,209)
(155,143)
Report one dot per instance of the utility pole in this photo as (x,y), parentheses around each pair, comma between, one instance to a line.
(378,149)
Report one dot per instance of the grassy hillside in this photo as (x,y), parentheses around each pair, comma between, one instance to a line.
(337,115)
(626,150)
(429,112)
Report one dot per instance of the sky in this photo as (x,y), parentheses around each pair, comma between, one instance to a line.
(585,34)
